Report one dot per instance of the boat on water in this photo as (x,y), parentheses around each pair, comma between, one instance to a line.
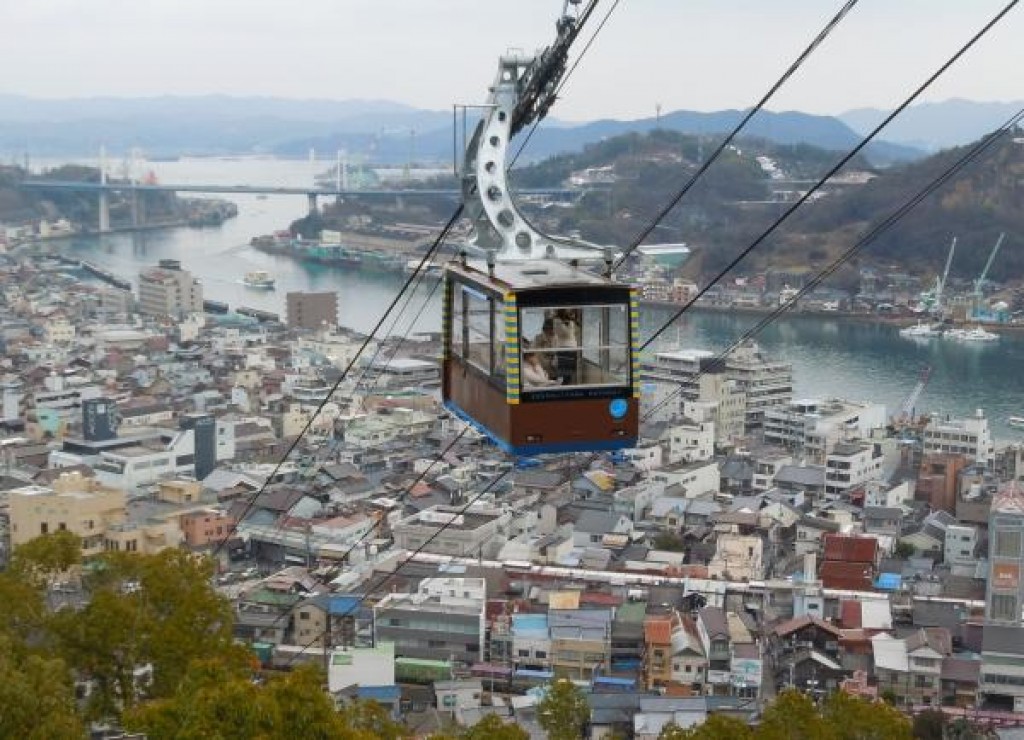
(920,330)
(1017,422)
(430,268)
(975,334)
(260,279)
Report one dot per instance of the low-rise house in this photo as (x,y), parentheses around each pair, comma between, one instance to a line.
(910,669)
(593,527)
(737,557)
(689,666)
(883,520)
(657,651)
(475,532)
(809,533)
(428,625)
(580,641)
(713,630)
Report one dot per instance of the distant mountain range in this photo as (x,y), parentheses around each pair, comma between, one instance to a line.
(934,126)
(389,132)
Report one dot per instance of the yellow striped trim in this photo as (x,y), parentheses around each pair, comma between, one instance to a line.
(511,350)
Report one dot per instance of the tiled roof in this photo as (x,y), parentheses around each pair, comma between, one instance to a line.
(658,630)
(850,549)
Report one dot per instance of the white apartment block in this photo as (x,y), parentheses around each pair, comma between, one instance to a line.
(969,436)
(851,465)
(813,427)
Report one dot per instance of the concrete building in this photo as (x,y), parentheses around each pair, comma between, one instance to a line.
(768,384)
(851,465)
(74,503)
(311,310)
(969,436)
(93,511)
(168,290)
(426,625)
(471,533)
(1002,656)
(814,427)
(734,392)
(580,642)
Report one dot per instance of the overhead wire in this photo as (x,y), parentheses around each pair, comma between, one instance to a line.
(821,36)
(870,236)
(833,170)
(565,79)
(383,581)
(842,162)
(581,20)
(724,144)
(251,500)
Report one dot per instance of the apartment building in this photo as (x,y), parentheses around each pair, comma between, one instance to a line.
(167,290)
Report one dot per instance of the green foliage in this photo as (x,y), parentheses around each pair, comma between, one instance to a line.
(215,701)
(716,726)
(795,716)
(669,541)
(492,727)
(37,700)
(373,720)
(48,556)
(852,718)
(144,609)
(904,550)
(563,712)
(929,725)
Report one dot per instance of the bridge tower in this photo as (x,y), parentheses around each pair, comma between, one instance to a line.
(312,203)
(104,224)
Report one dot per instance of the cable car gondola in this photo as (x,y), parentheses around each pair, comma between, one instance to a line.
(538,352)
(540,356)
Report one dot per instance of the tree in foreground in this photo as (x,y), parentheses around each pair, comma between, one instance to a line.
(795,716)
(37,699)
(715,727)
(215,701)
(492,727)
(563,712)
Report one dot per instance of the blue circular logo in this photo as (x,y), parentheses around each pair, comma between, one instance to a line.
(618,408)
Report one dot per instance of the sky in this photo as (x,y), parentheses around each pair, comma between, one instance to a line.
(692,54)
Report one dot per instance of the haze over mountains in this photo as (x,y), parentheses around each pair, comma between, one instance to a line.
(934,126)
(389,132)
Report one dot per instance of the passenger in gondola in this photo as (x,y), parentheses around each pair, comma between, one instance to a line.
(534,374)
(546,341)
(567,335)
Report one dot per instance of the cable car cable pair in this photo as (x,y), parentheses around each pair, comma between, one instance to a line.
(724,144)
(679,313)
(838,166)
(251,500)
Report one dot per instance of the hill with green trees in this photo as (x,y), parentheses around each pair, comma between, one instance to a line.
(738,198)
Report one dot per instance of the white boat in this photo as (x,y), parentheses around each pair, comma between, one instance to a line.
(260,279)
(1016,422)
(976,334)
(920,330)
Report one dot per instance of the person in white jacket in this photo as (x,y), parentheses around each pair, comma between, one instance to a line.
(534,375)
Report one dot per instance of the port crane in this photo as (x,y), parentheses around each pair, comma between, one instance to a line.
(906,417)
(979,297)
(931,301)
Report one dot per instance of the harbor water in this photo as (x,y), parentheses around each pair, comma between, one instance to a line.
(831,356)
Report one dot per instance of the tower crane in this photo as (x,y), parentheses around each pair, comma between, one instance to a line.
(978,297)
(940,285)
(907,407)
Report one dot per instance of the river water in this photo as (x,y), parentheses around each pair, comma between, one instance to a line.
(830,356)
